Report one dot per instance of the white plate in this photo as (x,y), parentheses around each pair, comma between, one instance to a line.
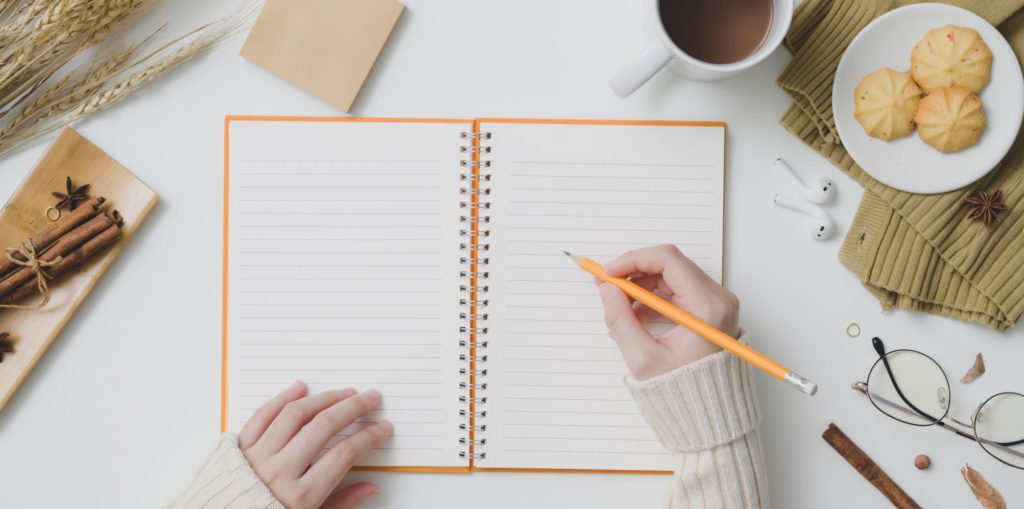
(908,163)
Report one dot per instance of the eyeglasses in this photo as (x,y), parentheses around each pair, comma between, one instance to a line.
(910,387)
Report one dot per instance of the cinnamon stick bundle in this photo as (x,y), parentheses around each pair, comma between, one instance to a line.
(63,246)
(59,228)
(72,260)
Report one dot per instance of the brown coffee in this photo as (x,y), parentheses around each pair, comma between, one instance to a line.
(717,31)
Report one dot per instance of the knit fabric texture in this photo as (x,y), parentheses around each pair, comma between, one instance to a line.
(226,481)
(707,415)
(912,251)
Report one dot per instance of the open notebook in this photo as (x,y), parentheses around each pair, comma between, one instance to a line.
(424,258)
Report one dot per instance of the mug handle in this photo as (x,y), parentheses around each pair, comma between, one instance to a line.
(643,68)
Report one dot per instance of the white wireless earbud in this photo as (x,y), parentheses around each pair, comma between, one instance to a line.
(820,226)
(820,190)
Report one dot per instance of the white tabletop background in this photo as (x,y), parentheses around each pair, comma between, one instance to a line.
(124,406)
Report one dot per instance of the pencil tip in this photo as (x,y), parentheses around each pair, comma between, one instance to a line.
(567,253)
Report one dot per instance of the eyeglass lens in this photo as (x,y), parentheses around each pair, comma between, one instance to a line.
(922,397)
(999,427)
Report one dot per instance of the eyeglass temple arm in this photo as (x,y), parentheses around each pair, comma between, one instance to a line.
(876,342)
(863,388)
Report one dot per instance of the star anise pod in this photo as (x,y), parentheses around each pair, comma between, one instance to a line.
(72,197)
(986,207)
(6,345)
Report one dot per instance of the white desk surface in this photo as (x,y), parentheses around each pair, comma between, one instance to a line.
(125,404)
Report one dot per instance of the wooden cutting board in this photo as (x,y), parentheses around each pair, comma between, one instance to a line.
(22,217)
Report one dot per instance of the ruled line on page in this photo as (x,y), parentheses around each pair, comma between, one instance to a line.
(327,213)
(587,451)
(552,425)
(601,203)
(616,177)
(605,231)
(391,252)
(595,439)
(638,243)
(329,200)
(352,161)
(591,164)
(344,292)
(307,187)
(597,215)
(337,343)
(583,190)
(604,400)
(353,382)
(346,370)
(336,174)
(348,226)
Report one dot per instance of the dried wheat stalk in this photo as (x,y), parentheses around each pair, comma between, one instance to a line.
(45,80)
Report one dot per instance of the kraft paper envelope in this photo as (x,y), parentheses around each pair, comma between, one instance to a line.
(325,47)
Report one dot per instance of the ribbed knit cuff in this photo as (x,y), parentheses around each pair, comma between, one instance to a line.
(699,406)
(226,481)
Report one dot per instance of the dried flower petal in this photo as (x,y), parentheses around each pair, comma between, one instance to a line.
(989,497)
(976,370)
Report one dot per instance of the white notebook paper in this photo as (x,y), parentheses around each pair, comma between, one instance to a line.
(424,258)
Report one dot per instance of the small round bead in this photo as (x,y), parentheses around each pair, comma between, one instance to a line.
(922,462)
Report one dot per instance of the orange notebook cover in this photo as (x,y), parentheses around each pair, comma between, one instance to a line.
(423,257)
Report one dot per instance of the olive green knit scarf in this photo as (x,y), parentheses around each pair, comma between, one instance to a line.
(912,251)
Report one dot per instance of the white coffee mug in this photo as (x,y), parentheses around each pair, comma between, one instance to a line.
(663,51)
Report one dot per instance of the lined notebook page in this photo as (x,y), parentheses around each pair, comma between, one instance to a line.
(555,392)
(343,272)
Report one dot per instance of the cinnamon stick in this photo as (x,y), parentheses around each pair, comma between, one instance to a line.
(48,236)
(71,261)
(62,247)
(867,467)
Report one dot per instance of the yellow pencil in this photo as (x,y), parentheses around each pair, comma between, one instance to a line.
(699,326)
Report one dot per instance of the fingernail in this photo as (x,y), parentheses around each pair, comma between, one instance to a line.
(373,494)
(373,395)
(348,392)
(386,426)
(606,291)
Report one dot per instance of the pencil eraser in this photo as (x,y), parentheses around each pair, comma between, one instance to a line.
(802,384)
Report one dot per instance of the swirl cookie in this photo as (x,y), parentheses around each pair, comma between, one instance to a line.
(950,119)
(949,56)
(885,103)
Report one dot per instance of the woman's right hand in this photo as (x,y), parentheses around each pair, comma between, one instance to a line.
(676,278)
(285,436)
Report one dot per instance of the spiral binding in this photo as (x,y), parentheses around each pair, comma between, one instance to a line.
(473,303)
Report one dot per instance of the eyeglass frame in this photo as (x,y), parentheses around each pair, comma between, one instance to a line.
(862,387)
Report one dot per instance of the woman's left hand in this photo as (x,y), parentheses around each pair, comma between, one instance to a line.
(284,438)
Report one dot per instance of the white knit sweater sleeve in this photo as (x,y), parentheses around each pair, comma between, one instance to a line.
(226,481)
(707,415)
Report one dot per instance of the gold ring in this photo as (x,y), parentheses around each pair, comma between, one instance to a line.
(50,216)
(853,330)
